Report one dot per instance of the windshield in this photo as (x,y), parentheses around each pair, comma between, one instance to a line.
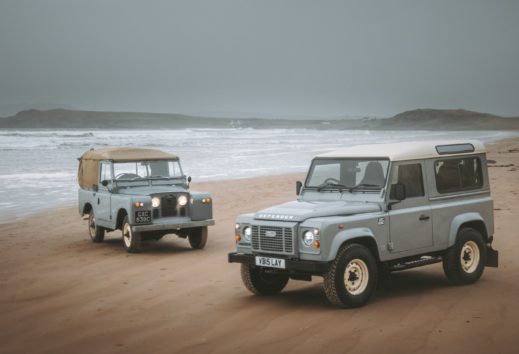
(161,169)
(347,174)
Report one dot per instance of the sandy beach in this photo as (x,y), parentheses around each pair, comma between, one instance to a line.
(61,293)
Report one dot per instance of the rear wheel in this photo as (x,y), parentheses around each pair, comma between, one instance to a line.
(198,237)
(464,262)
(352,278)
(132,240)
(96,232)
(261,282)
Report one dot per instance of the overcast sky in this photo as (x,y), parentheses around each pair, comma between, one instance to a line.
(264,58)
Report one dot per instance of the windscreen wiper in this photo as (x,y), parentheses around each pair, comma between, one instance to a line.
(160,177)
(340,187)
(367,186)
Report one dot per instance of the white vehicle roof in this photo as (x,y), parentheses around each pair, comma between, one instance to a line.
(409,150)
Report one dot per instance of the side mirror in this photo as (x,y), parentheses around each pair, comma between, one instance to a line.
(104,182)
(188,179)
(397,192)
(299,185)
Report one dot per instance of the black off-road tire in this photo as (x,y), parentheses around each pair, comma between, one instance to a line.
(96,232)
(464,262)
(361,264)
(198,237)
(260,282)
(131,240)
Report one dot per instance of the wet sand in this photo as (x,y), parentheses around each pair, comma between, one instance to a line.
(61,293)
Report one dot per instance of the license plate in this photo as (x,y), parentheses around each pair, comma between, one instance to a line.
(270,262)
(143,217)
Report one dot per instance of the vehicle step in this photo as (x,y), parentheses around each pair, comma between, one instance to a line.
(415,263)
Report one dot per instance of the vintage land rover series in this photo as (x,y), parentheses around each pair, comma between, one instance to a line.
(367,210)
(142,192)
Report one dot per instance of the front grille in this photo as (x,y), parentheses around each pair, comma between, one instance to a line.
(272,239)
(168,207)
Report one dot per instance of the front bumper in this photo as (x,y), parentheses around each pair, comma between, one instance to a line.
(297,265)
(173,224)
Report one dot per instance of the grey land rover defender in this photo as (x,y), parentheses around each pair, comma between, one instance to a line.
(142,192)
(367,210)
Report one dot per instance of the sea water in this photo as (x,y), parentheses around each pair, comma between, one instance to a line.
(38,168)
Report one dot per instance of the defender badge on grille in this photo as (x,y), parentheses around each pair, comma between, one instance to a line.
(270,233)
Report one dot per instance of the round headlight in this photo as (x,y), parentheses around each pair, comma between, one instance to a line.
(308,238)
(155,202)
(247,233)
(182,200)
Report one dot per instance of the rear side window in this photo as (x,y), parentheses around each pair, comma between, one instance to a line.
(454,175)
(106,172)
(411,177)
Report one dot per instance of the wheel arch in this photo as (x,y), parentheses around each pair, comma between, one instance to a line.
(87,209)
(472,220)
(362,236)
(121,213)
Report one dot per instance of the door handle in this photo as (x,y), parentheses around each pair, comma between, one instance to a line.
(424,217)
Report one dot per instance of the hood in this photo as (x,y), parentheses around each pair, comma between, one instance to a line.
(302,210)
(149,190)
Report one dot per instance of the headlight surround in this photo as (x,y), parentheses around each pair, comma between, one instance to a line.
(182,200)
(155,202)
(247,232)
(308,238)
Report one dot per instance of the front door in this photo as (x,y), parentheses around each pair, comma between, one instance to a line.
(103,207)
(410,220)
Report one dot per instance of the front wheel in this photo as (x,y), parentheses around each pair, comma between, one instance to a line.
(261,282)
(464,262)
(96,232)
(198,237)
(132,240)
(352,278)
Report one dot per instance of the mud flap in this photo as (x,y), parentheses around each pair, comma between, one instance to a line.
(492,257)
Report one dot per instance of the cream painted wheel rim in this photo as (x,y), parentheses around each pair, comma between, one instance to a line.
(469,257)
(356,276)
(127,235)
(92,225)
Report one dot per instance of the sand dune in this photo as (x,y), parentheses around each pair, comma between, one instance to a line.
(60,293)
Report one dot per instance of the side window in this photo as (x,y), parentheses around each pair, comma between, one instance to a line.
(455,175)
(106,172)
(411,177)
